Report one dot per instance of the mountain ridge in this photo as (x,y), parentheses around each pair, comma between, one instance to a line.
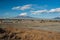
(23,17)
(56,18)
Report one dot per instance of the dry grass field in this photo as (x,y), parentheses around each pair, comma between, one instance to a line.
(30,30)
(27,34)
(35,24)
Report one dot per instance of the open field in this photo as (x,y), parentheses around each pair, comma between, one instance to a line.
(11,33)
(50,25)
(33,29)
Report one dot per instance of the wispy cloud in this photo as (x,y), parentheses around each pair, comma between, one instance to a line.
(29,6)
(16,8)
(23,14)
(35,9)
(22,7)
(56,10)
(26,7)
(39,11)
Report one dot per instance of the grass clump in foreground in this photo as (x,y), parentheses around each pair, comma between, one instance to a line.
(10,33)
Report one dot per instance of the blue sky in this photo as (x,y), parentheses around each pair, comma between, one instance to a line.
(33,8)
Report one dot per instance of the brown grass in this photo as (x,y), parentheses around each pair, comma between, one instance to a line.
(27,34)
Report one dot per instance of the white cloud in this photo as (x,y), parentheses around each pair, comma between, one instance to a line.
(22,7)
(25,7)
(39,11)
(23,14)
(52,10)
(16,8)
(55,10)
(30,6)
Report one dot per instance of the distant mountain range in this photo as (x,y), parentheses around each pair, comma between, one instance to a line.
(23,17)
(56,18)
(28,17)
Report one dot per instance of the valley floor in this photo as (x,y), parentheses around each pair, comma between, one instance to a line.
(31,30)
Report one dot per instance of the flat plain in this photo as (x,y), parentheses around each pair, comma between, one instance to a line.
(32,29)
